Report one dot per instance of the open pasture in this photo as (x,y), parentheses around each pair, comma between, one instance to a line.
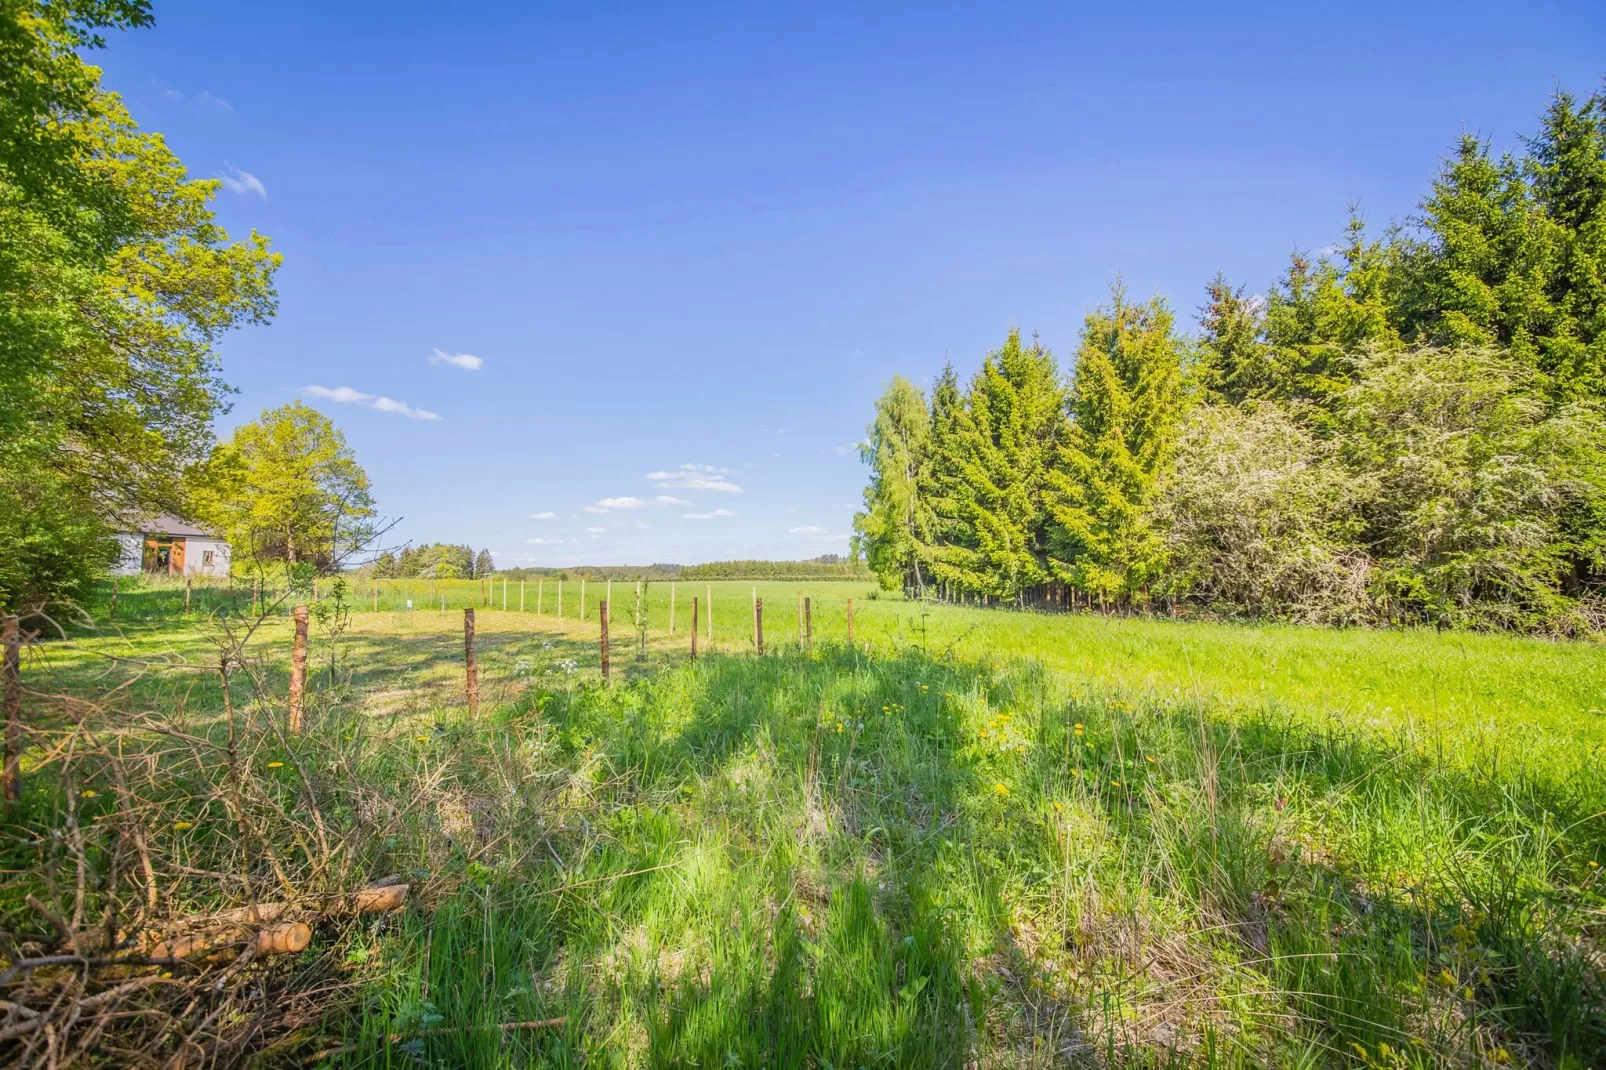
(970,838)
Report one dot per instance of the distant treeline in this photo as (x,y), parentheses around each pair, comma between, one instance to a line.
(824,567)
(432,561)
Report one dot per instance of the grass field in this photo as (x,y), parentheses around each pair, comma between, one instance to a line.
(970,838)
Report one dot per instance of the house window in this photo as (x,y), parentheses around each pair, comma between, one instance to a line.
(206,558)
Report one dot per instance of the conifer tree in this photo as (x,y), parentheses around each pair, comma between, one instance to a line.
(939,479)
(1126,402)
(482,565)
(894,528)
(1005,435)
(1236,360)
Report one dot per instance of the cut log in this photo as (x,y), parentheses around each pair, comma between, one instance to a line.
(263,922)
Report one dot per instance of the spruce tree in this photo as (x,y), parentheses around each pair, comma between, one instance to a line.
(939,480)
(1236,360)
(482,565)
(1006,433)
(894,528)
(1126,401)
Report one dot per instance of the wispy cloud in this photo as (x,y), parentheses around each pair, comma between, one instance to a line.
(710,516)
(548,515)
(242,182)
(467,361)
(696,477)
(595,531)
(544,542)
(668,501)
(345,395)
(621,503)
(212,100)
(808,530)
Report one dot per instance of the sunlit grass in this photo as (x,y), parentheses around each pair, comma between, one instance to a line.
(970,838)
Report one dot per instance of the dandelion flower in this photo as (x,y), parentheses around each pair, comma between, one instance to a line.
(420,739)
(999,789)
(88,793)
(275,765)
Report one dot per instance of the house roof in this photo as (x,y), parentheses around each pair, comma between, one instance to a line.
(168,524)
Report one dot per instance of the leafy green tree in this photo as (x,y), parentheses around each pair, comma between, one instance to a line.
(1468,476)
(1126,401)
(115,285)
(894,528)
(1260,518)
(286,487)
(1002,441)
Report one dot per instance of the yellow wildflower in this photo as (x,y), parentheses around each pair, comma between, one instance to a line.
(88,793)
(1000,789)
(182,825)
(275,765)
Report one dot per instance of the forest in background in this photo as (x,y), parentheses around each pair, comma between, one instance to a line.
(1406,428)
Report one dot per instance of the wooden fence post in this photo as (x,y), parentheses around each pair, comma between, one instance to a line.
(521,596)
(850,622)
(602,615)
(504,594)
(540,593)
(808,624)
(758,624)
(694,629)
(473,666)
(12,637)
(298,671)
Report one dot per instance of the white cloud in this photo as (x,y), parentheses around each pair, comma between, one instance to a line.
(595,531)
(211,100)
(243,182)
(696,477)
(621,503)
(544,542)
(467,361)
(667,501)
(597,509)
(710,516)
(345,395)
(549,515)
(808,530)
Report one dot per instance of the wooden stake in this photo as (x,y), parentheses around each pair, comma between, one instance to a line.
(671,609)
(11,636)
(504,594)
(602,615)
(808,624)
(694,629)
(521,596)
(298,671)
(472,665)
(850,622)
(758,625)
(540,593)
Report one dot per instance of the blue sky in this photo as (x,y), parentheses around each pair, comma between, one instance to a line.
(689,245)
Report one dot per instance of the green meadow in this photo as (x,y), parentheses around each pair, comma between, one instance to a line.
(967,838)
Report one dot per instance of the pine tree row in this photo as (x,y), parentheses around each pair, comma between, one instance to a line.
(1411,429)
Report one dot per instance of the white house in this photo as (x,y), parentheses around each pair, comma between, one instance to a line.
(168,545)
